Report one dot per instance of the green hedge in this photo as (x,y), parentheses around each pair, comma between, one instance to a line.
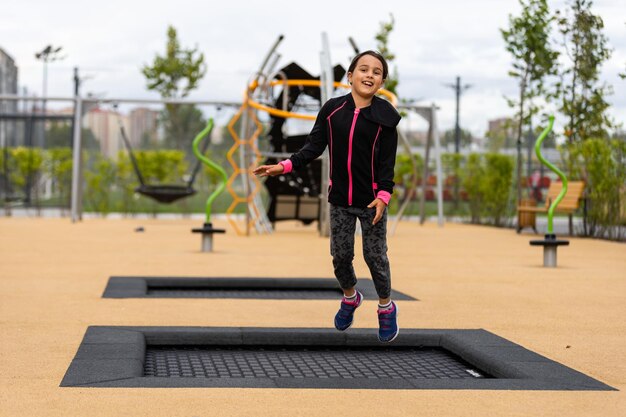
(487,179)
(601,163)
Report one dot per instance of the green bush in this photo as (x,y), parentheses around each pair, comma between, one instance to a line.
(487,180)
(496,185)
(471,180)
(25,166)
(58,165)
(601,164)
(404,171)
(126,181)
(162,166)
(453,170)
(99,181)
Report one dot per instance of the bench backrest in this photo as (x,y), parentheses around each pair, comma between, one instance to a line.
(571,200)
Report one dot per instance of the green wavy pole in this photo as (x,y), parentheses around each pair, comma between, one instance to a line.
(554,169)
(210,164)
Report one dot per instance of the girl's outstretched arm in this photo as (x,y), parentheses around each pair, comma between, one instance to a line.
(268,170)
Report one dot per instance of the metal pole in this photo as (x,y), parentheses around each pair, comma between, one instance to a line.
(269,55)
(243,163)
(45,84)
(355,48)
(77,197)
(327,78)
(457,127)
(76,208)
(531,142)
(458,89)
(549,256)
(429,140)
(438,167)
(519,171)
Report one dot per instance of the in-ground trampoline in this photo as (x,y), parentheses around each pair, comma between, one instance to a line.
(248,288)
(313,358)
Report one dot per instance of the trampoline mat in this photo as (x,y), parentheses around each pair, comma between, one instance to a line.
(278,293)
(304,362)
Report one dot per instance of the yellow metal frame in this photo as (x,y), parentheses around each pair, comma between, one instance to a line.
(301,83)
(237,199)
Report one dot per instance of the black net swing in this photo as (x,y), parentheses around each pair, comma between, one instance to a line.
(163,193)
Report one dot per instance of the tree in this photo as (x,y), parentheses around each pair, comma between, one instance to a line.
(382,39)
(181,123)
(528,41)
(175,75)
(580,96)
(60,135)
(623,75)
(500,134)
(448,137)
(58,164)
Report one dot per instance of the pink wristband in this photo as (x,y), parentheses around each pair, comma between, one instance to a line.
(384,196)
(287,166)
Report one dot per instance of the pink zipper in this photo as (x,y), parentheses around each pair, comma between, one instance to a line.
(330,153)
(356,115)
(374,185)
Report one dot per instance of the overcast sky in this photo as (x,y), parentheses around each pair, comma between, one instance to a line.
(434,42)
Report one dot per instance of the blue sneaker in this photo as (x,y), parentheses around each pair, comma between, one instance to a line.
(345,315)
(388,323)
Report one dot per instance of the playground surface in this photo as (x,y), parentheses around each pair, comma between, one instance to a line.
(53,275)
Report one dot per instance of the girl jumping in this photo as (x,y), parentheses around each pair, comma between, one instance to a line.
(360,131)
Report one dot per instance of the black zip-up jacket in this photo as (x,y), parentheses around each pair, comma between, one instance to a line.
(362,146)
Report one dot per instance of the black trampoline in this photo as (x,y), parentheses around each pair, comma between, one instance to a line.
(241,287)
(180,357)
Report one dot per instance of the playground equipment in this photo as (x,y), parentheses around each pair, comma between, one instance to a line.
(163,193)
(291,196)
(207,230)
(297,195)
(550,243)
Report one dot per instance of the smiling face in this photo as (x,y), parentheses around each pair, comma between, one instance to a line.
(367,77)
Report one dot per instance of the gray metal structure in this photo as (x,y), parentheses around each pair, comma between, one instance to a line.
(327,88)
(80,103)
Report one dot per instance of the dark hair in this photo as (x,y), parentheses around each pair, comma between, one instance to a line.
(375,55)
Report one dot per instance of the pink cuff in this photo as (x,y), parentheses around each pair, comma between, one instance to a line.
(287,166)
(384,196)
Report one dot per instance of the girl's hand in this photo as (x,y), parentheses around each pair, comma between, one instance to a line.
(269,170)
(380,209)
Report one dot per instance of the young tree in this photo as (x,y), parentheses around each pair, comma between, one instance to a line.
(623,75)
(175,75)
(580,96)
(382,44)
(500,135)
(449,137)
(528,41)
(59,135)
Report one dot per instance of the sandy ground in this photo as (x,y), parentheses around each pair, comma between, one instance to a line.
(53,273)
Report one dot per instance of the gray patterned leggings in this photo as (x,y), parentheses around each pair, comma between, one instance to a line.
(342,228)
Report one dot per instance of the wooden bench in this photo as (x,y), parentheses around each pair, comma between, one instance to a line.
(569,204)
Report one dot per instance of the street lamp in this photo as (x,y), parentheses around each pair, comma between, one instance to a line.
(48,54)
(458,89)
